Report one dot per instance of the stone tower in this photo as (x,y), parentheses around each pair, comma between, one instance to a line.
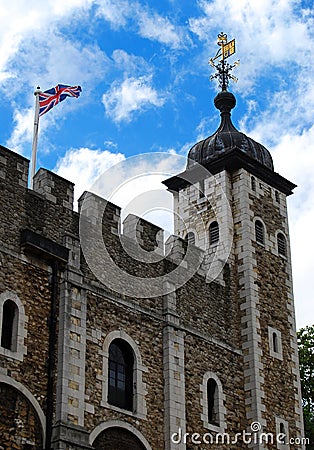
(231,203)
(142,348)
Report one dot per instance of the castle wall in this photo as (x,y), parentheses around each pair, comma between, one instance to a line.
(276,312)
(192,314)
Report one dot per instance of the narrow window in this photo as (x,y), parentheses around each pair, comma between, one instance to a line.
(190,238)
(120,377)
(202,189)
(213,233)
(212,401)
(9,325)
(253,184)
(275,342)
(281,244)
(282,428)
(282,431)
(277,197)
(259,232)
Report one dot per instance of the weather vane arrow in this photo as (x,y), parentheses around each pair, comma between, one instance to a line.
(224,68)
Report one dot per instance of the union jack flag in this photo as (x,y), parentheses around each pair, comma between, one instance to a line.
(53,96)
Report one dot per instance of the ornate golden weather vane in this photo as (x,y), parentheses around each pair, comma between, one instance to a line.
(223,68)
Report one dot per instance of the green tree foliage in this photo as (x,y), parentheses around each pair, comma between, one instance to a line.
(306,356)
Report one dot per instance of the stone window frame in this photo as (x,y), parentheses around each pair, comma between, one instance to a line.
(275,353)
(253,183)
(280,232)
(139,387)
(258,219)
(216,242)
(20,329)
(220,404)
(279,423)
(121,365)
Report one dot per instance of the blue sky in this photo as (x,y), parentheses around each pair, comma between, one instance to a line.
(143,68)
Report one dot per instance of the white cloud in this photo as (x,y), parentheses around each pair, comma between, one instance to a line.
(72,65)
(83,166)
(158,28)
(52,57)
(23,129)
(20,20)
(134,184)
(116,12)
(267,33)
(133,94)
(131,65)
(145,21)
(294,159)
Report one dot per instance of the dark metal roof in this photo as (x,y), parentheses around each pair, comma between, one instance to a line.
(227,137)
(231,160)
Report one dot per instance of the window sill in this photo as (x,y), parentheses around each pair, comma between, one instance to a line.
(215,428)
(11,354)
(121,410)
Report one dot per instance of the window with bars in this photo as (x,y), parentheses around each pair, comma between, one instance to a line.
(9,325)
(281,244)
(213,233)
(259,232)
(253,184)
(120,377)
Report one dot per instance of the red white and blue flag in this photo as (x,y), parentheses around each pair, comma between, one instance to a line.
(53,96)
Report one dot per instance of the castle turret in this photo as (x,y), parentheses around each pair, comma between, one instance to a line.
(230,202)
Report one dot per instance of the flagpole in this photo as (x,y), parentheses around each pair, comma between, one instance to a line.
(35,136)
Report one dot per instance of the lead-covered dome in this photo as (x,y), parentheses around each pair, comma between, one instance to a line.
(227,138)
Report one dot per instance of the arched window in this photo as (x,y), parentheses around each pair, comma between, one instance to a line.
(213,233)
(282,431)
(120,374)
(9,325)
(259,232)
(190,238)
(253,184)
(212,399)
(275,343)
(281,244)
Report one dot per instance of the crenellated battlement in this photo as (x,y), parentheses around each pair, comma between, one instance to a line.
(141,239)
(54,188)
(149,236)
(13,168)
(98,211)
